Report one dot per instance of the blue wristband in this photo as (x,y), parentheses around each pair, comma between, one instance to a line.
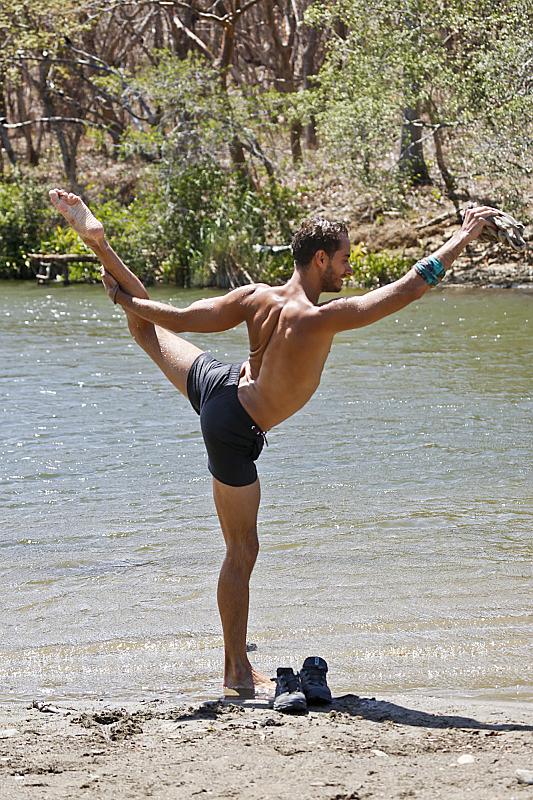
(431,270)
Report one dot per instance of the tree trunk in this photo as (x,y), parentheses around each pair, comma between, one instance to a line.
(68,144)
(4,140)
(4,137)
(296,145)
(32,156)
(236,149)
(412,164)
(449,180)
(308,70)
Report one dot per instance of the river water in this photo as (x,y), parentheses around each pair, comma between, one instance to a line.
(395,527)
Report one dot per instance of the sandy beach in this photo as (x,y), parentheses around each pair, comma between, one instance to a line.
(360,747)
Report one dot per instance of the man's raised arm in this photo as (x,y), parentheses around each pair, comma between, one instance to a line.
(354,312)
(203,316)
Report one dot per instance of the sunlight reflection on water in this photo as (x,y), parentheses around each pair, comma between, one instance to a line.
(395,524)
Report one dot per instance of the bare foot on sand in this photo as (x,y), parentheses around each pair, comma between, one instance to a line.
(78,216)
(255,685)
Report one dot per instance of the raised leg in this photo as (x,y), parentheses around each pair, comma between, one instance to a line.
(172,354)
(237,508)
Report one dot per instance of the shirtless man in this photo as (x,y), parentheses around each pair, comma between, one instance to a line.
(290,337)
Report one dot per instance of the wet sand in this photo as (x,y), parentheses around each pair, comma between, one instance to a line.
(399,747)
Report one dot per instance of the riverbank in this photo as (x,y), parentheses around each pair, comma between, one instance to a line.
(421,229)
(401,747)
(482,265)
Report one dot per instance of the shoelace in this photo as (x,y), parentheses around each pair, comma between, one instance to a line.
(316,675)
(290,682)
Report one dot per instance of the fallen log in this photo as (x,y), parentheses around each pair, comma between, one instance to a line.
(63,258)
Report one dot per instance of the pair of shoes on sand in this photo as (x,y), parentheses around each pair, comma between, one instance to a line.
(294,692)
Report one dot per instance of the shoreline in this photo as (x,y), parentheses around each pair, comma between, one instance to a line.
(394,746)
(511,274)
(508,697)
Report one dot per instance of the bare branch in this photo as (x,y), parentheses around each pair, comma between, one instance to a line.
(245,7)
(67,61)
(193,37)
(71,120)
(64,258)
(207,14)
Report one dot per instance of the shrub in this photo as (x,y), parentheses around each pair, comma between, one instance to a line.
(24,216)
(376,269)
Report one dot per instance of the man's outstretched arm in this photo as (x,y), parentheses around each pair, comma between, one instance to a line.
(203,316)
(354,312)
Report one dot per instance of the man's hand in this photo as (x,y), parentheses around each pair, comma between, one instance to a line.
(475,220)
(110,285)
(504,228)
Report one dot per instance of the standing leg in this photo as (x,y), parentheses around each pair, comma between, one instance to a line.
(237,508)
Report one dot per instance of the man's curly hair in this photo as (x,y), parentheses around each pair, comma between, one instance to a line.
(316,233)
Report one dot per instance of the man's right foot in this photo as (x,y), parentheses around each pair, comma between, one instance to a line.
(314,683)
(289,697)
(78,216)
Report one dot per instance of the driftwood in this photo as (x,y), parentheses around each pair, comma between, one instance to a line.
(62,258)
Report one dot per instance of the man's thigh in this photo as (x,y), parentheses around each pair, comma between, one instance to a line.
(237,508)
(172,354)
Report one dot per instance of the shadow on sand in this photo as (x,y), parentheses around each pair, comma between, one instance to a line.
(383,710)
(371,709)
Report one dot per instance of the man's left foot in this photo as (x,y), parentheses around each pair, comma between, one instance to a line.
(256,685)
(78,216)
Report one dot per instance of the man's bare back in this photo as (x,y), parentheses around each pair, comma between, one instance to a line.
(288,351)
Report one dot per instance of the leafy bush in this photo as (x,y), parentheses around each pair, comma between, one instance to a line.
(199,210)
(276,268)
(194,226)
(212,222)
(207,208)
(66,240)
(24,216)
(376,269)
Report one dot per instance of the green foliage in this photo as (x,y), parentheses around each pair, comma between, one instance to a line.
(64,239)
(202,212)
(276,268)
(460,65)
(24,215)
(192,226)
(205,221)
(376,269)
(35,28)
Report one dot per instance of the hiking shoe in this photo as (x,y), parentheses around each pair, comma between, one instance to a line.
(313,681)
(289,697)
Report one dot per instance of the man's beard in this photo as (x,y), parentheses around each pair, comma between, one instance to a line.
(329,282)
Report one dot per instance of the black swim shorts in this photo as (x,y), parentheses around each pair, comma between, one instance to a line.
(232,439)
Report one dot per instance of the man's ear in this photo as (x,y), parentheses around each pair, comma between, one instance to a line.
(321,258)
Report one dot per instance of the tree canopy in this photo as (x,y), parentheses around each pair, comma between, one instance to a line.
(206,121)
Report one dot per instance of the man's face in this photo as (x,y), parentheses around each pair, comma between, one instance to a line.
(337,268)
